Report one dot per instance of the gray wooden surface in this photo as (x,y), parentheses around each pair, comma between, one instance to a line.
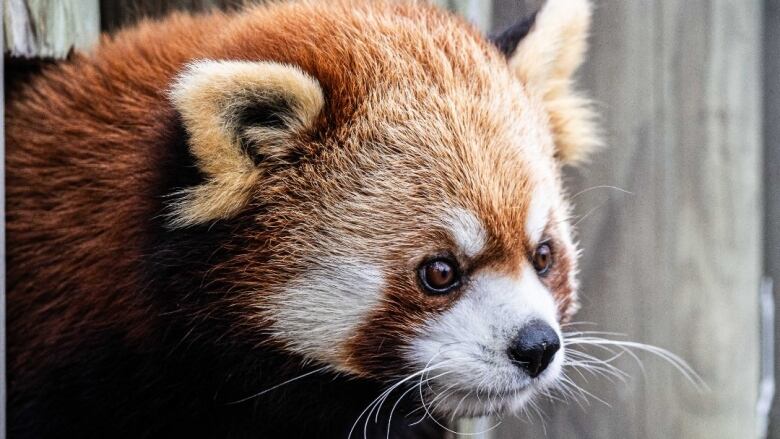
(677,262)
(772,167)
(46,28)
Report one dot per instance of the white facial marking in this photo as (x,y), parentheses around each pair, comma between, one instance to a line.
(538,214)
(323,307)
(466,230)
(468,344)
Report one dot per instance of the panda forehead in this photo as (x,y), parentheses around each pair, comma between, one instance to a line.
(537,214)
(471,233)
(467,231)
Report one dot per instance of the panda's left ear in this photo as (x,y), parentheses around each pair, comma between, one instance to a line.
(243,120)
(545,51)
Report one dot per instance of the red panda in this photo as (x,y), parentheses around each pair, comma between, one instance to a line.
(254,224)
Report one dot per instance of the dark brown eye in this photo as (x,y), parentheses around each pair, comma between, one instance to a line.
(439,276)
(542,258)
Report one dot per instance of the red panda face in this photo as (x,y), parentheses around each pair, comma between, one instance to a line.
(452,241)
(410,213)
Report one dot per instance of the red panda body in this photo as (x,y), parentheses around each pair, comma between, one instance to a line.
(176,250)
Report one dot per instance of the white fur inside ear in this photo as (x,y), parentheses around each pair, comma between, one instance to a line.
(546,61)
(556,44)
(205,93)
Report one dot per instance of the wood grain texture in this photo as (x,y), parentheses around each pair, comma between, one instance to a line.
(50,29)
(677,262)
(772,170)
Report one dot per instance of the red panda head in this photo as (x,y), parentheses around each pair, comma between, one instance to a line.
(395,184)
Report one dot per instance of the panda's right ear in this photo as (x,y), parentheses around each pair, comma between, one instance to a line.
(242,119)
(544,51)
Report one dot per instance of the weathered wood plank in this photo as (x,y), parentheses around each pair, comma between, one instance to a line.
(677,262)
(50,29)
(772,170)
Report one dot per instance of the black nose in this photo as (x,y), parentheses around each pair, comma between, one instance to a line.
(534,347)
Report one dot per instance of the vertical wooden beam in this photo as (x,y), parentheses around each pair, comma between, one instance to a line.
(49,29)
(772,170)
(677,262)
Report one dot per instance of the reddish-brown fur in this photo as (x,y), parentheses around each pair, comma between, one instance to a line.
(95,150)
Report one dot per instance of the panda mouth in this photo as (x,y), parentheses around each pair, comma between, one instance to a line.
(473,403)
(493,394)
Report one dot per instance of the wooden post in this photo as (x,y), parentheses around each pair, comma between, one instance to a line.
(772,170)
(676,263)
(49,29)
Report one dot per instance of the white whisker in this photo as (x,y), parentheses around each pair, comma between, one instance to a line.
(627,346)
(457,407)
(588,213)
(592,188)
(390,419)
(583,391)
(278,385)
(373,404)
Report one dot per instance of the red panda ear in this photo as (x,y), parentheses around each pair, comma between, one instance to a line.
(242,119)
(545,53)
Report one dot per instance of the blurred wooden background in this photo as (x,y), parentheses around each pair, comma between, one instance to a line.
(771,92)
(677,262)
(690,94)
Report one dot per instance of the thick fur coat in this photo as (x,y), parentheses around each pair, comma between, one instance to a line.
(209,206)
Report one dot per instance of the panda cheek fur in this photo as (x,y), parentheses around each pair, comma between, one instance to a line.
(381,344)
(563,286)
(320,308)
